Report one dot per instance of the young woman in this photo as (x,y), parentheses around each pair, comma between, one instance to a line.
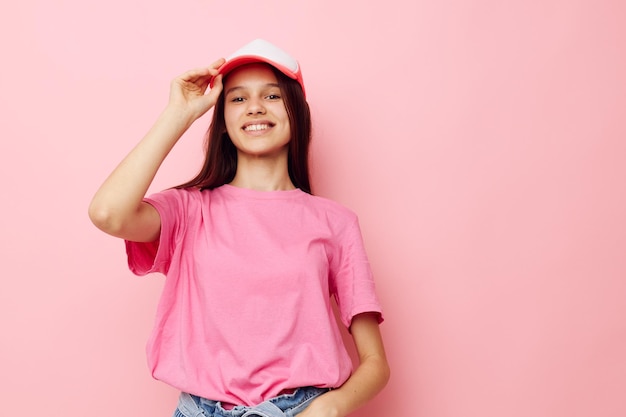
(245,324)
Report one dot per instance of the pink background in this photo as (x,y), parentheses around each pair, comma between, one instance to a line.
(481,142)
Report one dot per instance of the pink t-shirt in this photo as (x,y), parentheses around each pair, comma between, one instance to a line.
(245,311)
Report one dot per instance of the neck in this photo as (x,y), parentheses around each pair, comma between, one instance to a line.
(262,174)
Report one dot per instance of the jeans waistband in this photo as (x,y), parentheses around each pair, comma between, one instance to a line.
(285,405)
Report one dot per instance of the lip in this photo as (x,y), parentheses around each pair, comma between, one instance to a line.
(268,123)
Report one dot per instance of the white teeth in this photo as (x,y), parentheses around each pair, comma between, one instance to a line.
(256,127)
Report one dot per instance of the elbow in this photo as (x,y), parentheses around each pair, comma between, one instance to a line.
(102,217)
(379,369)
(384,372)
(382,369)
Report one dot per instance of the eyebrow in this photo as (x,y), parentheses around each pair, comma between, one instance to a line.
(230,90)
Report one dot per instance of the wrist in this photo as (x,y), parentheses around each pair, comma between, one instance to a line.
(178,117)
(328,405)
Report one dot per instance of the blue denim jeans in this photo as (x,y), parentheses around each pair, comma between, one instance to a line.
(286,405)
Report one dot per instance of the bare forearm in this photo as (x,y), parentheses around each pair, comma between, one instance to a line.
(369,378)
(122,192)
(367,381)
(117,206)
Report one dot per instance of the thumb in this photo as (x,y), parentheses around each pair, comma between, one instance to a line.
(217,88)
(210,98)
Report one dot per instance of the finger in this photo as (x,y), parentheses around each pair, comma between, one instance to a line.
(217,86)
(215,66)
(209,99)
(196,74)
(217,63)
(212,95)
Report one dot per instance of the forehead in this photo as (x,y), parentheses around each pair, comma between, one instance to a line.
(249,75)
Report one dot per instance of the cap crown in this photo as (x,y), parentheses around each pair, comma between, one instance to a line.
(260,50)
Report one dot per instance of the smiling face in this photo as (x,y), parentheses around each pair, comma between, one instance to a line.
(254,112)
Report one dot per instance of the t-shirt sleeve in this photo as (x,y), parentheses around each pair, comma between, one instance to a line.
(147,257)
(352,281)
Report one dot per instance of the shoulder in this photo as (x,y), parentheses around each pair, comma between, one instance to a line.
(177,200)
(178,194)
(333,210)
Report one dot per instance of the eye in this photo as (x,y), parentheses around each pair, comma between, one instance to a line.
(236,100)
(273,97)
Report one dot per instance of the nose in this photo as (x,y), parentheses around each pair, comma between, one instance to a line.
(255,106)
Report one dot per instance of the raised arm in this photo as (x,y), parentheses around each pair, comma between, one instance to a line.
(117,208)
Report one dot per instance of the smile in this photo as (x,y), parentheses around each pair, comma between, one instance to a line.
(256,127)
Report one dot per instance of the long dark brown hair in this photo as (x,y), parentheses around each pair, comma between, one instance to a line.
(220,163)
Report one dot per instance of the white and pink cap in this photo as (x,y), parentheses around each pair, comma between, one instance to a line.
(260,50)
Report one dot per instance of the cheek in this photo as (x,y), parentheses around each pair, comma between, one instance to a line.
(287,124)
(281,112)
(230,120)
